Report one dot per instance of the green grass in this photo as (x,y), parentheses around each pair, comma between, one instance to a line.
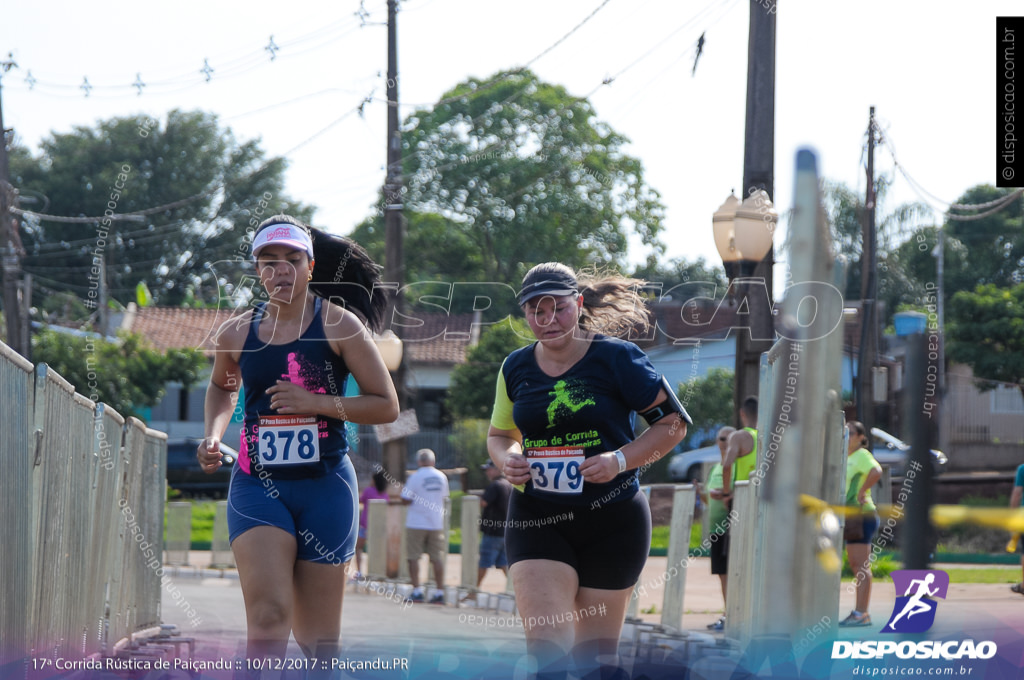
(984,575)
(202,524)
(202,521)
(994,575)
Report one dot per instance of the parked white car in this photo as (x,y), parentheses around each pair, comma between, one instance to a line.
(887,450)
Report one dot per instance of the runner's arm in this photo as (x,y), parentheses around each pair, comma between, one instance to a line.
(655,442)
(869,481)
(506,450)
(221,394)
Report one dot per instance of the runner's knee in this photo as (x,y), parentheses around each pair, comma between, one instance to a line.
(269,615)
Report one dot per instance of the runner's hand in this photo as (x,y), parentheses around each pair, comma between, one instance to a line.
(209,454)
(599,469)
(516,468)
(286,397)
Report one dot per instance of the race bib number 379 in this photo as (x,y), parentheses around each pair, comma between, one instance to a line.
(288,440)
(556,468)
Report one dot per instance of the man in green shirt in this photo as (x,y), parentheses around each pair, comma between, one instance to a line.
(718,513)
(741,451)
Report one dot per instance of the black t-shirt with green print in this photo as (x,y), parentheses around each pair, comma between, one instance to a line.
(588,410)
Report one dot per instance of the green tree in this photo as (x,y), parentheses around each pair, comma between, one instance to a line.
(438,251)
(989,250)
(214,184)
(128,374)
(680,270)
(471,394)
(526,173)
(897,283)
(708,400)
(993,246)
(986,332)
(469,439)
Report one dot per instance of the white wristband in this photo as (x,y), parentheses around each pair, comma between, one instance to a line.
(621,457)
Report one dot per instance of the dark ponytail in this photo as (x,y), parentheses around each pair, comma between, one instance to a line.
(344,272)
(859,431)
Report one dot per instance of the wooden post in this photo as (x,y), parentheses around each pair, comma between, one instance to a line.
(678,555)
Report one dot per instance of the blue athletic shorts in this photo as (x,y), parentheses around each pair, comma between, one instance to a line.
(492,552)
(321,512)
(870,527)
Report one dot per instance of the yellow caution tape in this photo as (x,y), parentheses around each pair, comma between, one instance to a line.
(995,518)
(942,516)
(829,561)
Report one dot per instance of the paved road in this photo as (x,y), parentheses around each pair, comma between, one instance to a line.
(463,641)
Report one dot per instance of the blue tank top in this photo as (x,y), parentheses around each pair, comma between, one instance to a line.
(308,361)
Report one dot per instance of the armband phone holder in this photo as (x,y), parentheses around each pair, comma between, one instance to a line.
(667,407)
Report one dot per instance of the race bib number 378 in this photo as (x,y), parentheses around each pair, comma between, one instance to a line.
(288,440)
(556,469)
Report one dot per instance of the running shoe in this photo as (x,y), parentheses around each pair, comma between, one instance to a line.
(718,625)
(855,620)
(437,598)
(414,597)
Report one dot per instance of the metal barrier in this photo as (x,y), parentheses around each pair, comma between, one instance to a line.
(178,534)
(17,448)
(470,550)
(779,587)
(221,556)
(84,533)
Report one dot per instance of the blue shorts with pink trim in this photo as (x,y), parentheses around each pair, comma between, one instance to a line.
(322,512)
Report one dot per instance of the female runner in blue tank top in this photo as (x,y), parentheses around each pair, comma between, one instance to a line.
(293,501)
(578,534)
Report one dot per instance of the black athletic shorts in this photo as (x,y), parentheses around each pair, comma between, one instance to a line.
(607,545)
(719,550)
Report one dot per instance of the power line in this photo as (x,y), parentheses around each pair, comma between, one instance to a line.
(224,67)
(1005,203)
(989,208)
(609,80)
(509,74)
(566,36)
(190,199)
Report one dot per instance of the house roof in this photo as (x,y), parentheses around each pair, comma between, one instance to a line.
(705,319)
(436,338)
(177,327)
(430,338)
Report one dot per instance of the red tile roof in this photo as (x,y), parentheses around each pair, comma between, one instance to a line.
(430,338)
(177,327)
(435,338)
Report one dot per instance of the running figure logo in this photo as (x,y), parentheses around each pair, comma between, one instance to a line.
(914,611)
(565,397)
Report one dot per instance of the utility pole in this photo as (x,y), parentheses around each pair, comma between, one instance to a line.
(10,243)
(394,451)
(394,262)
(868,294)
(758,173)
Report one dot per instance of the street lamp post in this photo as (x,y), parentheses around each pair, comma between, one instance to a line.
(743,236)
